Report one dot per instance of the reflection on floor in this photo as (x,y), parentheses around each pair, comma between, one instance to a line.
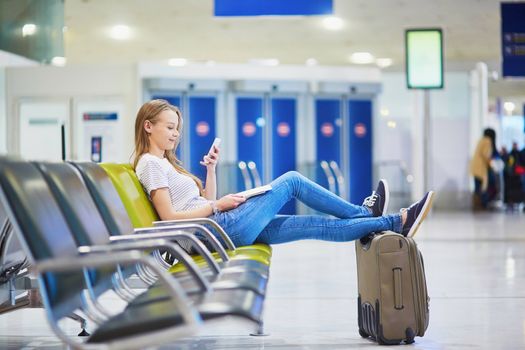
(476,278)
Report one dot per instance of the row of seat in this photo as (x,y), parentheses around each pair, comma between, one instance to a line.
(89,229)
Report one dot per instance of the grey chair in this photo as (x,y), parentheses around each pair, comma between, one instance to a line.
(64,269)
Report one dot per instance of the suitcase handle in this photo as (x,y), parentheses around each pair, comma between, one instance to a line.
(398,289)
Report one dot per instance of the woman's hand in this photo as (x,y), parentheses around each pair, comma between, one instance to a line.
(211,159)
(229,202)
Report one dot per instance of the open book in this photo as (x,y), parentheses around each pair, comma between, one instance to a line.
(255,191)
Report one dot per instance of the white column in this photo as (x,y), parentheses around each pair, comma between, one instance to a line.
(418,140)
(479,96)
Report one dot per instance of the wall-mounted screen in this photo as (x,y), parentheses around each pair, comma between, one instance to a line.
(424,58)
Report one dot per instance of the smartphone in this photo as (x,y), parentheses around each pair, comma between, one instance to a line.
(216,143)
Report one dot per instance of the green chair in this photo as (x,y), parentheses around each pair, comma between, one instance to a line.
(142,214)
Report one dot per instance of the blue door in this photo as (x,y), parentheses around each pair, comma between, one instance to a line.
(250,122)
(201,131)
(360,138)
(328,135)
(283,141)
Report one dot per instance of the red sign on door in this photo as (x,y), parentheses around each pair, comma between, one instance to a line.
(202,128)
(283,129)
(248,129)
(327,129)
(360,130)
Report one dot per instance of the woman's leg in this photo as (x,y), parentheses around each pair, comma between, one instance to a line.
(246,222)
(285,228)
(294,185)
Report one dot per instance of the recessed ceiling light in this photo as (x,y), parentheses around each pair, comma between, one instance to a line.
(28,29)
(311,62)
(177,62)
(391,124)
(362,58)
(384,62)
(333,23)
(385,112)
(509,107)
(58,61)
(265,61)
(120,32)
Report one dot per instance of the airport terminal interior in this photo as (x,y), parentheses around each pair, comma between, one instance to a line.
(352,94)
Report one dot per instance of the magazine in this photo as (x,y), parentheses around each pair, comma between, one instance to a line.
(255,191)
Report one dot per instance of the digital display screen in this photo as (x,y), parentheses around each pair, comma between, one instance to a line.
(424,58)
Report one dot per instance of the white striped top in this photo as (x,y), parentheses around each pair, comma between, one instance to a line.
(155,173)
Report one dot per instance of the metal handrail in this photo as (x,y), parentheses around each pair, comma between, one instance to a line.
(245,175)
(329,176)
(255,174)
(339,177)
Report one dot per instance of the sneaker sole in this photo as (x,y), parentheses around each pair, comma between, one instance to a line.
(426,209)
(387,196)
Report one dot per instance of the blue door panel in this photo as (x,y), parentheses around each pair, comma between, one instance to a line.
(283,141)
(201,131)
(249,134)
(328,135)
(360,136)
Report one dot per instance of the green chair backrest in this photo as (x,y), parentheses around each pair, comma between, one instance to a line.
(136,201)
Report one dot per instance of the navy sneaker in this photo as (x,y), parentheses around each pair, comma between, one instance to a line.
(377,202)
(416,213)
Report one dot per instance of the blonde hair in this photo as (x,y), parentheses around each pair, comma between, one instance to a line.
(151,111)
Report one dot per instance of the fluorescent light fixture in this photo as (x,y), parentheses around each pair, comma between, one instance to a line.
(362,58)
(384,62)
(424,58)
(333,23)
(509,107)
(58,61)
(28,29)
(120,32)
(311,62)
(265,61)
(177,62)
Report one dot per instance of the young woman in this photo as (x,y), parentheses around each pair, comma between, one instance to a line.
(177,194)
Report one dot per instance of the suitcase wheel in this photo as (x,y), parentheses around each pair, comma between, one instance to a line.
(410,335)
(363,334)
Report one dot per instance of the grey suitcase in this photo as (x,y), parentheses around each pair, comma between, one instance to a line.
(393,303)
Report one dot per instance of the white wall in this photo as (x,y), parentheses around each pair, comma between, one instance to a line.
(3,127)
(74,83)
(450,127)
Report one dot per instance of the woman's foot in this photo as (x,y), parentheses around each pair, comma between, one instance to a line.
(377,202)
(413,216)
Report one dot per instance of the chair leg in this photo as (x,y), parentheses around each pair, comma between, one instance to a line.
(83,324)
(259,332)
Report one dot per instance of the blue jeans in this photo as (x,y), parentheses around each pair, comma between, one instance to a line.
(256,220)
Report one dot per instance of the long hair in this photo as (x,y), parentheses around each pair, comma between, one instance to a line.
(150,111)
(491,134)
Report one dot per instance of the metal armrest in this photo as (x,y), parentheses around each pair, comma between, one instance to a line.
(157,232)
(227,241)
(189,314)
(154,244)
(195,243)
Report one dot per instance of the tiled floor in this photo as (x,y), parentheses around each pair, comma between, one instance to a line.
(476,279)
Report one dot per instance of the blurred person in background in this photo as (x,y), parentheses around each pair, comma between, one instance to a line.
(480,168)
